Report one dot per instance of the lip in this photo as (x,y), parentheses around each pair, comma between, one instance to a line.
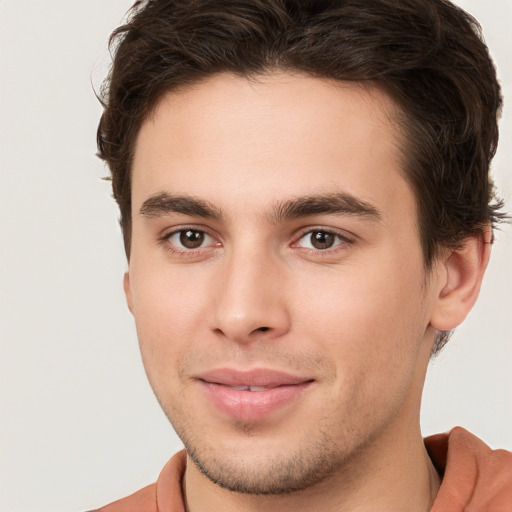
(224,388)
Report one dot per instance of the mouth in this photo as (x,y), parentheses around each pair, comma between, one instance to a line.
(252,395)
(248,388)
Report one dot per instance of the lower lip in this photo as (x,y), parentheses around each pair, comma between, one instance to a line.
(252,405)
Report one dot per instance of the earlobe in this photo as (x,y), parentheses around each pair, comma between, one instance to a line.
(460,273)
(128,291)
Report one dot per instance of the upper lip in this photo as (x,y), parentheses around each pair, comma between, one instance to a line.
(261,377)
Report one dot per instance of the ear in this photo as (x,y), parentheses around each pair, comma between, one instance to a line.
(460,273)
(128,291)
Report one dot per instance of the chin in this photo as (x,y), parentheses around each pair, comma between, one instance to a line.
(268,475)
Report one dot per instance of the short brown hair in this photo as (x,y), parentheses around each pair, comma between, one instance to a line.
(428,55)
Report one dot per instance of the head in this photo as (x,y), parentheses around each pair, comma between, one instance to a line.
(429,57)
(233,122)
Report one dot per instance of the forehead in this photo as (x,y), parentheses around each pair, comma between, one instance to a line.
(270,138)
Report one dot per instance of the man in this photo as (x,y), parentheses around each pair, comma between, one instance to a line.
(307,214)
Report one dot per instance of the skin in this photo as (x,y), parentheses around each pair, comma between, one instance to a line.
(357,317)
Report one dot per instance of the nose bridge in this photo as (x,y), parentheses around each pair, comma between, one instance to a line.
(251,299)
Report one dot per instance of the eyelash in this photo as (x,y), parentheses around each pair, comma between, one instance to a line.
(343,241)
(165,240)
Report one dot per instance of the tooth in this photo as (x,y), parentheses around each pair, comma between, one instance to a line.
(248,388)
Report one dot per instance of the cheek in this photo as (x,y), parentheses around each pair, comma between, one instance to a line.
(370,323)
(363,304)
(168,308)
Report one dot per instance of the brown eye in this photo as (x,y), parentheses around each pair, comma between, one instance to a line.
(322,239)
(191,239)
(187,241)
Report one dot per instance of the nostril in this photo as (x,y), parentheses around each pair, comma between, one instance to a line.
(262,329)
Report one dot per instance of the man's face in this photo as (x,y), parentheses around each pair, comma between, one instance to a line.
(276,277)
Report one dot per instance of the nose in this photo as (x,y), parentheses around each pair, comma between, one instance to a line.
(250,303)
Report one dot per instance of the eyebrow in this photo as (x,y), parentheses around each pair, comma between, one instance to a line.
(164,203)
(331,203)
(340,203)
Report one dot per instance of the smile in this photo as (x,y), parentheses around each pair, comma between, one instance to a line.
(252,395)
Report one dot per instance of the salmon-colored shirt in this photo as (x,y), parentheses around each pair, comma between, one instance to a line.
(474,479)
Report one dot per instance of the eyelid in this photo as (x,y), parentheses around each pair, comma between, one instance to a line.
(164,239)
(346,238)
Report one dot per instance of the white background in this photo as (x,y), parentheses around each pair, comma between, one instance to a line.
(79,426)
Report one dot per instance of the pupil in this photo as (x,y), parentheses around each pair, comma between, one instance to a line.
(191,239)
(322,240)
